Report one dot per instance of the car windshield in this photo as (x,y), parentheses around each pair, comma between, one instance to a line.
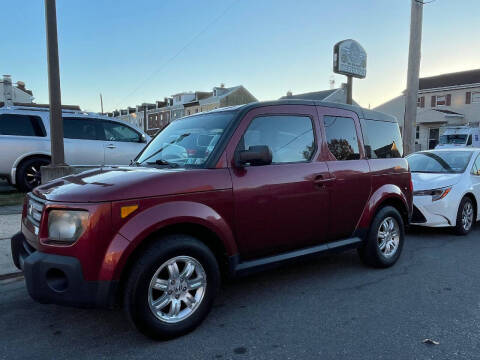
(186,142)
(439,161)
(453,139)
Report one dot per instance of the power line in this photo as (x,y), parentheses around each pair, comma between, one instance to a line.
(424,2)
(182,49)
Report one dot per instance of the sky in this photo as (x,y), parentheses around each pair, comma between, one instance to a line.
(144,50)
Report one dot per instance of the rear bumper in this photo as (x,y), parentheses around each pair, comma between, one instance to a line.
(59,279)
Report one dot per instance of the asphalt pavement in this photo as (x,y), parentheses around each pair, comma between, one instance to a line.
(326,308)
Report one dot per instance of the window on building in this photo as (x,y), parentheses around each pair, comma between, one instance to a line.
(433,137)
(421,101)
(342,137)
(382,139)
(475,97)
(417,132)
(290,138)
(21,125)
(441,100)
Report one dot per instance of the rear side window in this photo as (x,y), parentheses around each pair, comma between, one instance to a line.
(118,132)
(21,125)
(289,137)
(81,128)
(382,139)
(342,138)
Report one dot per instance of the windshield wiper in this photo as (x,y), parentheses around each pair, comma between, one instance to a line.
(162,162)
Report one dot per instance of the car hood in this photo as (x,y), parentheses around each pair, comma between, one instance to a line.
(122,183)
(428,181)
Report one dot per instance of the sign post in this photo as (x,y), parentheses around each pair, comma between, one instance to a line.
(350,59)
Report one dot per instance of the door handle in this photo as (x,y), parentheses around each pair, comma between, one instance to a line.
(321,181)
(111,146)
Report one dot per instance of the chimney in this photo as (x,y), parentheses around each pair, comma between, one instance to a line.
(7,90)
(222,85)
(289,94)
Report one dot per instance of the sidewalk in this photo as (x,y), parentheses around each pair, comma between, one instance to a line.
(10,217)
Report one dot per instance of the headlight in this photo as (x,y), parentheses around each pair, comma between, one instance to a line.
(66,225)
(436,194)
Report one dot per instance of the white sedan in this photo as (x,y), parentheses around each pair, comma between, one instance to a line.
(446,188)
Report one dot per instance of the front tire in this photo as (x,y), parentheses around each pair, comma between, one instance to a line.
(465,216)
(385,239)
(172,287)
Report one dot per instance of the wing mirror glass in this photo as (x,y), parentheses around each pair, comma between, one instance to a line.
(255,155)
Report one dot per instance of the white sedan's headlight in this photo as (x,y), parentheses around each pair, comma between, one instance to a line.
(66,225)
(436,194)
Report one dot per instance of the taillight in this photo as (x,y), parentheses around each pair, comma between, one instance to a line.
(411,185)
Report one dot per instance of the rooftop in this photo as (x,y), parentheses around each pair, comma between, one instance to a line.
(316,95)
(450,79)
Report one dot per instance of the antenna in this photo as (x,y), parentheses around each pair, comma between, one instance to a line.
(332,82)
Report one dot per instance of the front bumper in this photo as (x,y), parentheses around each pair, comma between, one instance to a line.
(438,213)
(59,279)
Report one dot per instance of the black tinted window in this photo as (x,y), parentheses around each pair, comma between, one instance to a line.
(118,132)
(382,139)
(21,125)
(289,137)
(341,137)
(81,128)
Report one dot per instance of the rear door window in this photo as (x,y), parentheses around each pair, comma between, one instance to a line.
(382,139)
(21,125)
(118,132)
(81,128)
(342,137)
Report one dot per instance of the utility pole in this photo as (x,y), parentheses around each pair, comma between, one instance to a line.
(411,94)
(101,102)
(57,168)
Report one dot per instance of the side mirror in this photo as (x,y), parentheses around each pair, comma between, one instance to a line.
(255,155)
(143,138)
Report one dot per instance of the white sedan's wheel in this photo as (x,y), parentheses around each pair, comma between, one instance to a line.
(465,216)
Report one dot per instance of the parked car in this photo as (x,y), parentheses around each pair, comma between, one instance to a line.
(459,136)
(227,192)
(446,184)
(90,139)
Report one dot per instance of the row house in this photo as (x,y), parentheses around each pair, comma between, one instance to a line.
(443,100)
(154,117)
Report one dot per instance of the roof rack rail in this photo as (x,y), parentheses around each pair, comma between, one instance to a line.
(30,106)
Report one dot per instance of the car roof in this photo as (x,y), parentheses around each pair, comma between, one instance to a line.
(361,112)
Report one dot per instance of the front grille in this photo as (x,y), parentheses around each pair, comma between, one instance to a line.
(417,216)
(35,207)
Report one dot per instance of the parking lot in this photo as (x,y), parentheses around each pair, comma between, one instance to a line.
(325,308)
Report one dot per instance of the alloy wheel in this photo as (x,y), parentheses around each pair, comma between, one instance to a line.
(467,216)
(33,176)
(388,236)
(177,289)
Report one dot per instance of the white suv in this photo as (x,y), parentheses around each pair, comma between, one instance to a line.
(90,139)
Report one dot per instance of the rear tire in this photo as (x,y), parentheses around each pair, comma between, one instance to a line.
(164,296)
(385,239)
(465,217)
(28,173)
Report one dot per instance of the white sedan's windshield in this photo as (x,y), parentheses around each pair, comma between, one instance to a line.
(186,141)
(439,161)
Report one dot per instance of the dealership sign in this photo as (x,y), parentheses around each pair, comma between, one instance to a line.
(349,58)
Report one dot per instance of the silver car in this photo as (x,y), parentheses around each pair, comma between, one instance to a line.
(90,139)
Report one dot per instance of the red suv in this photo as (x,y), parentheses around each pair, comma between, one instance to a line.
(226,192)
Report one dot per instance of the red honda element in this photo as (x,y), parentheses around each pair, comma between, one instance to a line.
(226,192)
